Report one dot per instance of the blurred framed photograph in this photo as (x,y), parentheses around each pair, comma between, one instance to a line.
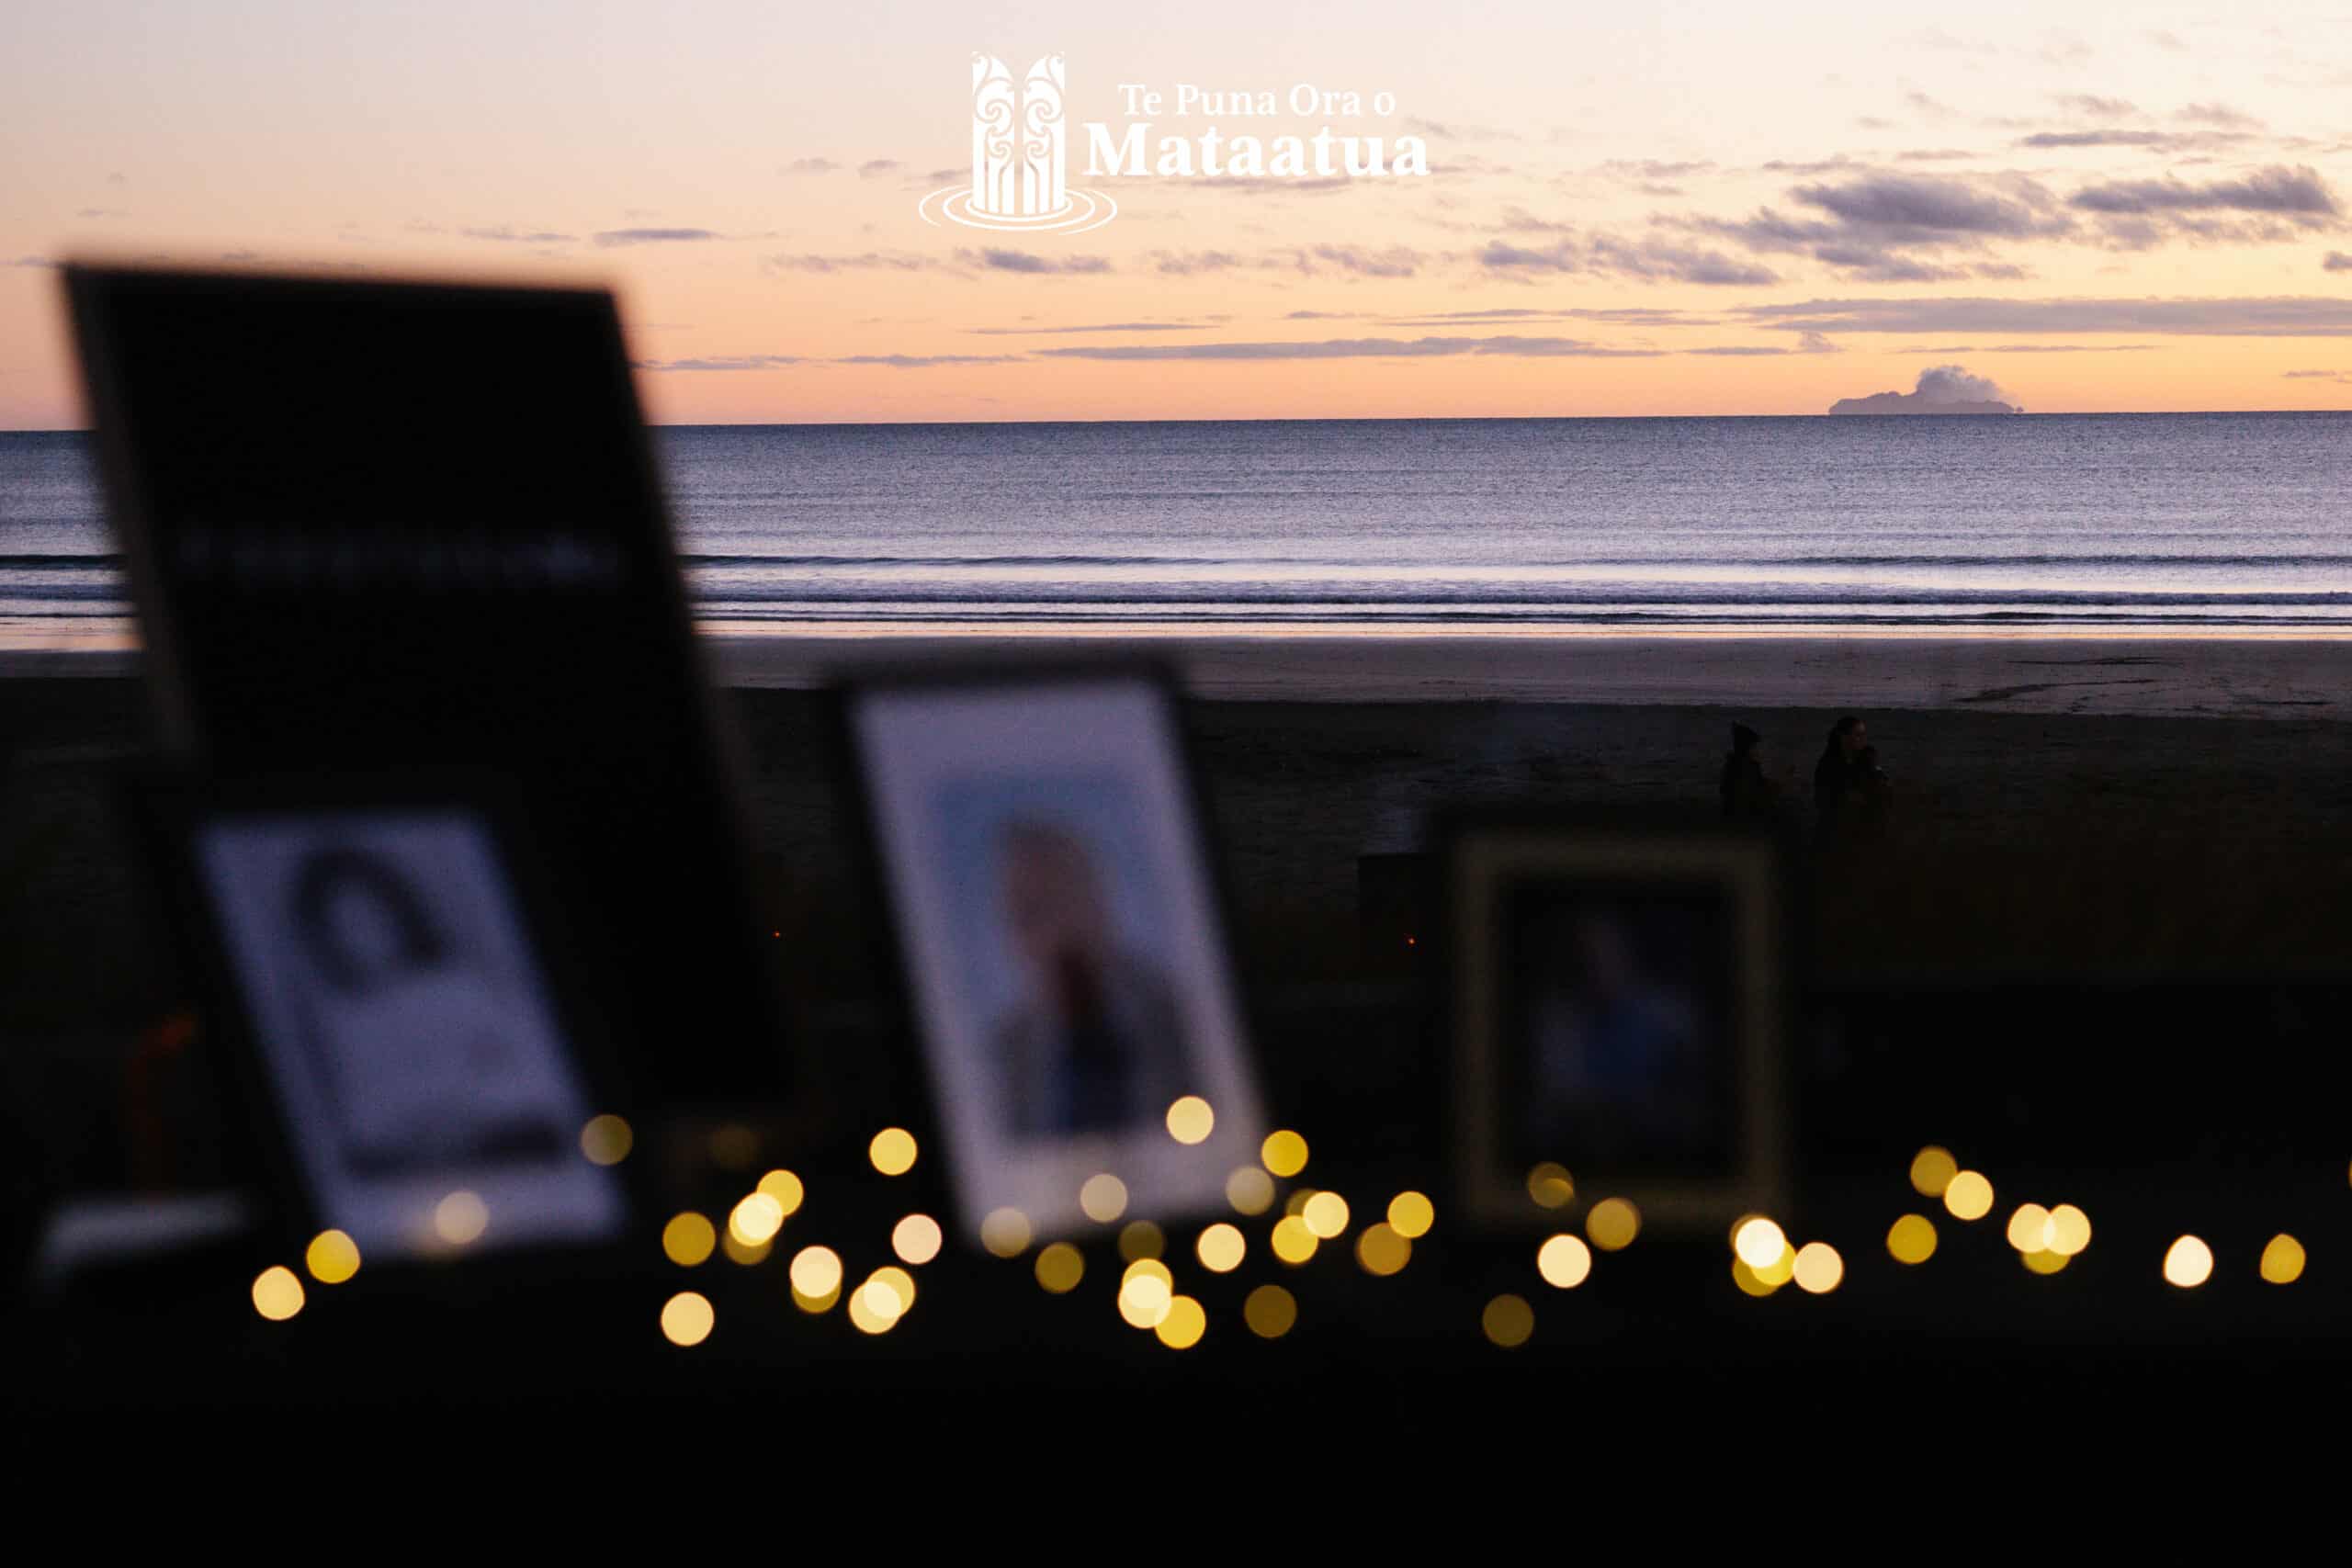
(386,967)
(1618,1000)
(1062,937)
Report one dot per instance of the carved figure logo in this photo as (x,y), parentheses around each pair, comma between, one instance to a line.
(1020,158)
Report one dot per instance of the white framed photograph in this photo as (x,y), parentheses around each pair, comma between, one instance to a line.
(403,1020)
(1618,996)
(1060,923)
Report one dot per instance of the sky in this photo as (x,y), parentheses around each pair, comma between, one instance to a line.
(1668,208)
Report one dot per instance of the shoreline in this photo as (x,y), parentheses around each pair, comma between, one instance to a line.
(2237,674)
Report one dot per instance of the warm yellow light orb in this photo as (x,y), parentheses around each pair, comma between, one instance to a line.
(2029,1229)
(916,1239)
(2070,1230)
(1104,1197)
(1759,1243)
(1184,1324)
(755,1220)
(1221,1248)
(1612,1224)
(460,1218)
(1932,1169)
(1818,1269)
(1326,1214)
(1381,1251)
(1005,1232)
(785,1188)
(1284,1152)
(1190,1119)
(1969,1196)
(1060,1267)
(607,1140)
(1410,1215)
(1145,1300)
(1911,1239)
(1508,1321)
(1271,1312)
(687,1240)
(277,1293)
(2282,1261)
(1293,1241)
(869,1309)
(2044,1262)
(1551,1186)
(1749,1281)
(1250,1191)
(737,1252)
(331,1257)
(1564,1261)
(893,1151)
(1141,1239)
(2189,1263)
(686,1318)
(816,1271)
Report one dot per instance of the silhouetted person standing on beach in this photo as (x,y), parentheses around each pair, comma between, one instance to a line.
(1747,795)
(1870,800)
(1833,776)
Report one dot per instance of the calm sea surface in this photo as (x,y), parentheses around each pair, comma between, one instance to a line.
(2131,521)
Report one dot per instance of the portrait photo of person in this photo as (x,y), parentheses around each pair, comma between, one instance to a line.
(1062,938)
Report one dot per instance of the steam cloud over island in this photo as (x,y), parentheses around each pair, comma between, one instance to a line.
(1942,389)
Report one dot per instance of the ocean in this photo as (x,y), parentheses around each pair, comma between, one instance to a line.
(2127,522)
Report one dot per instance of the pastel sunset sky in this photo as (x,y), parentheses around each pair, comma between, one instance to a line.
(1681,208)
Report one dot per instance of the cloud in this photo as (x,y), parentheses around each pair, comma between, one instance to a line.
(2297,193)
(1099,327)
(996,259)
(1933,155)
(869,261)
(2221,115)
(609,237)
(2098,108)
(1928,105)
(1184,264)
(924,361)
(1396,261)
(2038,348)
(1267,184)
(2163,38)
(2336,262)
(507,235)
(2344,377)
(2150,141)
(1650,260)
(810,166)
(1951,384)
(875,168)
(1457,131)
(1878,226)
(102,212)
(722,362)
(2288,316)
(1360,348)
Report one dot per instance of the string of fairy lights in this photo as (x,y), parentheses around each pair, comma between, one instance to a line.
(1149,1298)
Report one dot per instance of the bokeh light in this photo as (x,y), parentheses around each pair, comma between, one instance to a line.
(1932,1169)
(1969,1196)
(818,1304)
(1149,1268)
(2030,1230)
(1818,1269)
(816,1272)
(1612,1224)
(899,1282)
(755,1220)
(2044,1261)
(1508,1321)
(1749,1281)
(2189,1263)
(1410,1215)
(785,1188)
(331,1257)
(746,1253)
(1911,1239)
(869,1309)
(1221,1248)
(1381,1251)
(1781,1269)
(1145,1300)
(686,1318)
(1564,1261)
(1284,1152)
(1141,1239)
(2070,1230)
(1005,1232)
(1326,1214)
(460,1218)
(277,1293)
(1104,1197)
(1060,1267)
(916,1239)
(1190,1119)
(687,1240)
(1185,1321)
(1551,1186)
(607,1140)
(1271,1312)
(2283,1259)
(1293,1241)
(1760,1242)
(893,1151)
(1250,1191)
